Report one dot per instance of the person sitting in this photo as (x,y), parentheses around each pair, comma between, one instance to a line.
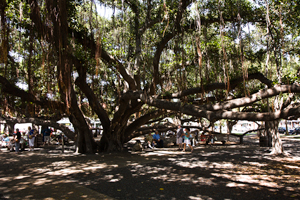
(6,142)
(149,140)
(12,143)
(156,139)
(210,138)
(203,137)
(137,146)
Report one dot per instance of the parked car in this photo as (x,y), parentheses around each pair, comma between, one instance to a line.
(296,131)
(281,130)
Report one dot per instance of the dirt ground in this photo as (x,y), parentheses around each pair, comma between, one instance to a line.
(228,171)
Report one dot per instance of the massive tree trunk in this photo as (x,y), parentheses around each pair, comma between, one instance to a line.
(121,130)
(111,141)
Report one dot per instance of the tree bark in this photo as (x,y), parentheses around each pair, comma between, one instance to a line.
(10,127)
(276,141)
(273,138)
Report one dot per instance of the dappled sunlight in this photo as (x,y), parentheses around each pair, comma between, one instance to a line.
(164,153)
(64,169)
(291,166)
(41,181)
(169,174)
(98,166)
(255,164)
(145,170)
(294,159)
(249,180)
(64,172)
(200,197)
(48,173)
(192,165)
(232,171)
(210,154)
(5,179)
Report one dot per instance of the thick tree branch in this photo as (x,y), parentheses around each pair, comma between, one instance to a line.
(214,86)
(94,103)
(41,122)
(141,121)
(209,111)
(120,67)
(105,56)
(206,88)
(162,44)
(93,100)
(13,90)
(263,94)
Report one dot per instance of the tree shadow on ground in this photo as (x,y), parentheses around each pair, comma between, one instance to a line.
(217,172)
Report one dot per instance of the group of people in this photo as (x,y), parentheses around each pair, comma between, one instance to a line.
(154,140)
(20,141)
(183,138)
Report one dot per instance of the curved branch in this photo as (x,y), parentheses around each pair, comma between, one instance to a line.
(216,112)
(141,121)
(134,5)
(70,134)
(263,94)
(214,86)
(93,100)
(159,49)
(162,44)
(119,66)
(105,56)
(13,90)
(94,103)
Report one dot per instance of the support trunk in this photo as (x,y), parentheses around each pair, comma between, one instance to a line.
(110,142)
(241,139)
(271,137)
(10,127)
(84,142)
(276,141)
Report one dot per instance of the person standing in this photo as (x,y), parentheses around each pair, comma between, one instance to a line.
(46,135)
(23,141)
(179,136)
(31,136)
(17,140)
(187,140)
